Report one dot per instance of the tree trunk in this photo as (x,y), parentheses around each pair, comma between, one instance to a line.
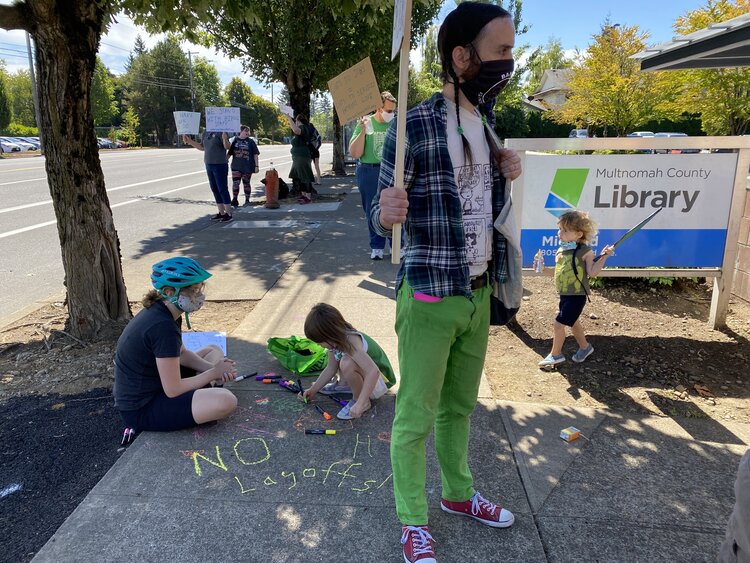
(339,166)
(299,98)
(67,36)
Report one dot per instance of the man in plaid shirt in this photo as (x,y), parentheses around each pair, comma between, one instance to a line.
(455,173)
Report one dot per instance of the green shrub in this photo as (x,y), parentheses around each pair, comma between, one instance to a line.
(669,281)
(18,130)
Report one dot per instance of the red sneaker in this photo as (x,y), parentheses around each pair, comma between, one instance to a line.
(417,544)
(479,508)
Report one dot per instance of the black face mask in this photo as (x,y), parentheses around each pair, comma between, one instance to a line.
(492,77)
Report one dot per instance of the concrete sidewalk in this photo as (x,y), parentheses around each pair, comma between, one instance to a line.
(256,488)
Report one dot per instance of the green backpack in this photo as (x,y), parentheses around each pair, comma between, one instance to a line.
(298,355)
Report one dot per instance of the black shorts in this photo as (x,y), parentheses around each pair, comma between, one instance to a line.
(314,153)
(162,414)
(571,307)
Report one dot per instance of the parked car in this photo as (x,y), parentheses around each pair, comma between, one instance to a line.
(578,134)
(121,145)
(25,145)
(674,151)
(33,140)
(641,134)
(105,143)
(8,146)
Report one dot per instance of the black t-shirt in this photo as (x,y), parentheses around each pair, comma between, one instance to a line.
(153,333)
(243,155)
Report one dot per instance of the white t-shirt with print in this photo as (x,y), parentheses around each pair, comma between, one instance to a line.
(474,183)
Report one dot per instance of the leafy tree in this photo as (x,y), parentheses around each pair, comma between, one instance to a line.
(551,56)
(21,97)
(67,37)
(5,113)
(311,42)
(722,96)
(207,84)
(130,126)
(159,84)
(103,106)
(510,121)
(430,55)
(256,112)
(422,85)
(607,87)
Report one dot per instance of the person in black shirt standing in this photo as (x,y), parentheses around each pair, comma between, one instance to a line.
(244,153)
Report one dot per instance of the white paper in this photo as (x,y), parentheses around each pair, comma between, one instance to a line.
(187,122)
(194,341)
(220,120)
(286,110)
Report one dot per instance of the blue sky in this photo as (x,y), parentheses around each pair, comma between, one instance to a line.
(572,22)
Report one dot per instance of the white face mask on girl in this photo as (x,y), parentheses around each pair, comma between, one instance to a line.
(387,116)
(190,304)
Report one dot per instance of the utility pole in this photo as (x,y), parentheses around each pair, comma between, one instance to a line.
(34,94)
(192,90)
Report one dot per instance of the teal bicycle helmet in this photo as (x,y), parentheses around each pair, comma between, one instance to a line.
(177,272)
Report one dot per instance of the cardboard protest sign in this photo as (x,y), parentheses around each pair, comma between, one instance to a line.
(355,91)
(187,122)
(219,120)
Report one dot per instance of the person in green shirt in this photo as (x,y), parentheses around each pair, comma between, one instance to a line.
(367,147)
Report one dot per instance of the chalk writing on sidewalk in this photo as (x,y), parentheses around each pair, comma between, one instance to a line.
(245,463)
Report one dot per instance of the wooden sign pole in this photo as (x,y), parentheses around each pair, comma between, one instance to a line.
(403,91)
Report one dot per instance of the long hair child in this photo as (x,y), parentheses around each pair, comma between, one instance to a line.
(360,361)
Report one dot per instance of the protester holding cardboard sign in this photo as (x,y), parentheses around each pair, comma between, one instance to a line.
(214,147)
(454,184)
(367,147)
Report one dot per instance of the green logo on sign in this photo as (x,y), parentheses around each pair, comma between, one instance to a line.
(566,190)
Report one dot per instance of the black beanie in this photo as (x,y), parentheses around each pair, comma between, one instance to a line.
(462,26)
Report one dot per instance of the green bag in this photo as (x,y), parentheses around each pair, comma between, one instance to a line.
(298,355)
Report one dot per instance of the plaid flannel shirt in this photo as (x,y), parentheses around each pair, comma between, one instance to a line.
(435,262)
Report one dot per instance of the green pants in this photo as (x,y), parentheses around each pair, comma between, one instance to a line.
(441,350)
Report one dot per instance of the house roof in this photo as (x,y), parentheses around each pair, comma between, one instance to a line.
(720,45)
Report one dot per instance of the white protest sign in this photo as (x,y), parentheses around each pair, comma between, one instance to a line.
(219,120)
(286,110)
(355,91)
(187,122)
(399,17)
(194,341)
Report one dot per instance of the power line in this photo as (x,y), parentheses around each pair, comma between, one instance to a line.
(115,47)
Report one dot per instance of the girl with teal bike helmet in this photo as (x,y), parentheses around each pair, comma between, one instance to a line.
(177,273)
(159,384)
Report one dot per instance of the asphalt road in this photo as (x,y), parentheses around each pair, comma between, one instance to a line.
(151,192)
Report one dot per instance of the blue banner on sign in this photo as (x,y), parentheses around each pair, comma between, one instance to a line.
(666,248)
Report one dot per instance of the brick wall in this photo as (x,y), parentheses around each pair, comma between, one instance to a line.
(741,283)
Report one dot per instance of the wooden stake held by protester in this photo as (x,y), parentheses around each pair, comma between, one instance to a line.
(401,27)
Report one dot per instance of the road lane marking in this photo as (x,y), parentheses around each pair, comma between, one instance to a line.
(48,201)
(140,198)
(22,181)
